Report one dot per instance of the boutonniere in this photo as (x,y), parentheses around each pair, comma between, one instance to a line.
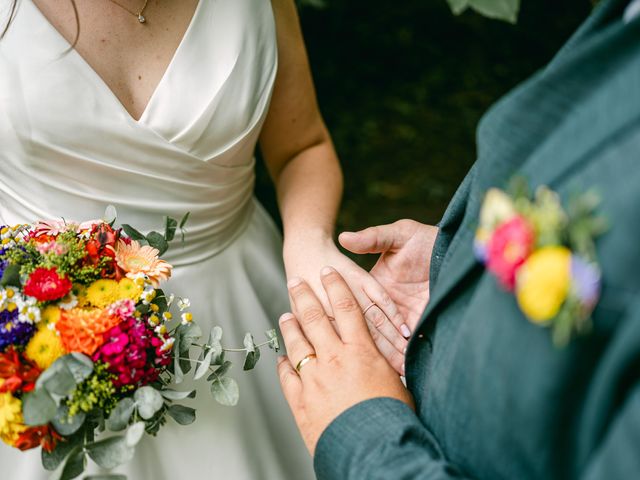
(544,253)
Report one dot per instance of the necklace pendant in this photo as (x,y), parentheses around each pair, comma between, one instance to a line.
(141,18)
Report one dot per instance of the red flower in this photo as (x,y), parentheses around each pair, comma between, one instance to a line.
(33,437)
(509,246)
(45,284)
(102,244)
(18,372)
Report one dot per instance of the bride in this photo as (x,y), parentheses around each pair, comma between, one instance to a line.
(156,107)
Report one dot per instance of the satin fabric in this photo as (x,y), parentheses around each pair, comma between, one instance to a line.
(69,148)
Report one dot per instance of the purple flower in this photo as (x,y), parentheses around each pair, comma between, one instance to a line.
(586,281)
(3,264)
(13,332)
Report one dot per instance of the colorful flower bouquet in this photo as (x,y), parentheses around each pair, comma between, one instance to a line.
(544,253)
(89,346)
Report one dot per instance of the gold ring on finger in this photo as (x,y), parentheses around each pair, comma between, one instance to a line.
(369,307)
(304,361)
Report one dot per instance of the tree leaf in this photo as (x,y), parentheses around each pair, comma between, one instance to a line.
(183,222)
(171,225)
(148,401)
(66,425)
(225,391)
(111,452)
(110,214)
(221,371)
(72,466)
(157,240)
(132,233)
(506,10)
(38,408)
(134,434)
(80,366)
(57,379)
(204,362)
(174,395)
(52,460)
(120,415)
(181,414)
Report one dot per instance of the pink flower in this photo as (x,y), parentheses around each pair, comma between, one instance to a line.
(55,227)
(508,248)
(51,247)
(123,308)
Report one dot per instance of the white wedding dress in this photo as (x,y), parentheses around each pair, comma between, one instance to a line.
(68,148)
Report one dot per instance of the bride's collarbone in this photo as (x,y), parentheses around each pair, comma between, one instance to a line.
(129,57)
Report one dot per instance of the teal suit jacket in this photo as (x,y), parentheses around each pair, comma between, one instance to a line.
(494,398)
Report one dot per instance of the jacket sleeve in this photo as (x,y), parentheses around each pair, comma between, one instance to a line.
(380,439)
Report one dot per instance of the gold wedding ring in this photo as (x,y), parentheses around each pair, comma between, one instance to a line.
(369,307)
(304,361)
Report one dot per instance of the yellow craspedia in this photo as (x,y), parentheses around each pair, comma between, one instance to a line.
(543,283)
(50,315)
(127,288)
(102,293)
(44,348)
(11,425)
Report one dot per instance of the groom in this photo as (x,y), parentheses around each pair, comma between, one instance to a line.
(489,394)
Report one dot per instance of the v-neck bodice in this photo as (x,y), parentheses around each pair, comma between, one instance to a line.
(69,147)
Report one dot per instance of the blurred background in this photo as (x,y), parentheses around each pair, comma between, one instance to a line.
(402,86)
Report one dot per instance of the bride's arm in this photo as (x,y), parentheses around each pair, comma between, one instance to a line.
(304,166)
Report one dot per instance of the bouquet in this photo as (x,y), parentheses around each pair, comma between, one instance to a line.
(90,345)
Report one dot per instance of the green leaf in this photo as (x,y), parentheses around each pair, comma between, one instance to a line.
(52,460)
(178,375)
(204,362)
(66,425)
(181,414)
(72,466)
(221,371)
(171,225)
(57,379)
(225,391)
(173,395)
(458,6)
(120,416)
(186,336)
(506,10)
(274,342)
(132,233)
(80,366)
(253,354)
(38,408)
(183,222)
(157,240)
(215,344)
(11,276)
(134,434)
(110,214)
(111,452)
(148,401)
(161,300)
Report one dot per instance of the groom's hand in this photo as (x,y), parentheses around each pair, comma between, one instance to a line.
(403,267)
(325,373)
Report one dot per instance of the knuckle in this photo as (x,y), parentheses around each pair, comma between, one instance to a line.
(311,315)
(346,305)
(385,299)
(378,320)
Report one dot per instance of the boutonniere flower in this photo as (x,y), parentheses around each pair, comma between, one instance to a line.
(543,253)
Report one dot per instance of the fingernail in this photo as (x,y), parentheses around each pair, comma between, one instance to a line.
(405,331)
(348,234)
(285,317)
(326,271)
(403,372)
(294,282)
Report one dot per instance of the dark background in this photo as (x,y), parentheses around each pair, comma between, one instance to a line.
(402,86)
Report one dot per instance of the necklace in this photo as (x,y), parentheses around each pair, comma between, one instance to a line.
(141,18)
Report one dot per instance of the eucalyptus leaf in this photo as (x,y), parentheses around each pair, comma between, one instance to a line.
(171,225)
(178,375)
(52,460)
(506,10)
(181,414)
(57,379)
(148,401)
(251,360)
(215,344)
(80,366)
(225,391)
(110,214)
(120,415)
(161,300)
(157,241)
(111,452)
(72,466)
(38,408)
(203,364)
(184,219)
(274,341)
(132,233)
(11,276)
(134,434)
(68,425)
(174,395)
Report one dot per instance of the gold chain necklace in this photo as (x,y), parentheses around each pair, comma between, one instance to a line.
(141,18)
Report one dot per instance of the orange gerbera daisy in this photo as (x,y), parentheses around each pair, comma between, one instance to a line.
(135,259)
(81,330)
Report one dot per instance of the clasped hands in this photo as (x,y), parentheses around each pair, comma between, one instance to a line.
(333,364)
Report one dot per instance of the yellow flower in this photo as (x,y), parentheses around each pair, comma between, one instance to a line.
(50,315)
(497,208)
(80,292)
(44,348)
(102,293)
(543,283)
(127,288)
(11,425)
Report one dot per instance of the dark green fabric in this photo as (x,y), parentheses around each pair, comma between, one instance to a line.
(495,399)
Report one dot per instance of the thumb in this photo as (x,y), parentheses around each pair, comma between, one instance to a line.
(370,240)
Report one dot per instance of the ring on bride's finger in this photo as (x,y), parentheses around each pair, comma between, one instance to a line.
(304,361)
(369,307)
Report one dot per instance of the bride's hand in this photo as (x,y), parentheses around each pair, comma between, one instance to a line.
(403,267)
(386,323)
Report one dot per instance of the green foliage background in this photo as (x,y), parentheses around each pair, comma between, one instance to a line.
(402,86)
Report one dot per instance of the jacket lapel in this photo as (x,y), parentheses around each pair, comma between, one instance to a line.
(527,133)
